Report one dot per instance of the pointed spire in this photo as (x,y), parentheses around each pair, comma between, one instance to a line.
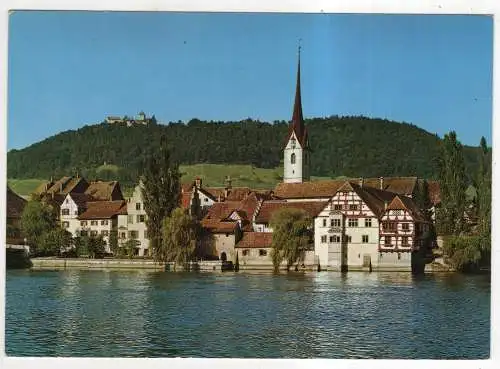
(297,117)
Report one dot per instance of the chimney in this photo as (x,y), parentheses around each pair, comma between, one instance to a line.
(385,205)
(228,186)
(53,193)
(381,179)
(197,182)
(60,187)
(361,182)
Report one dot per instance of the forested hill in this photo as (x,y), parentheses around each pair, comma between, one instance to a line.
(342,146)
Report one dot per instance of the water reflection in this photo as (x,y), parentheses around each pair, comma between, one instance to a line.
(332,315)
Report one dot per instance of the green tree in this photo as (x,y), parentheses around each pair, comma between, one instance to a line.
(453,184)
(160,192)
(91,246)
(179,237)
(129,247)
(483,185)
(291,236)
(113,242)
(37,218)
(463,252)
(55,241)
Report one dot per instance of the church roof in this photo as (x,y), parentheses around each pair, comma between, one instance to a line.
(297,124)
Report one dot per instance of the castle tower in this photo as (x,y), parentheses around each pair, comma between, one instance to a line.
(296,152)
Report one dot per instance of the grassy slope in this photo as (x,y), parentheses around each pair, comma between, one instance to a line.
(211,174)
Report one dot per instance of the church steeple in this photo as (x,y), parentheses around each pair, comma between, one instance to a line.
(296,151)
(297,125)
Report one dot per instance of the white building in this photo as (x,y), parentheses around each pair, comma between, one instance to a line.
(136,223)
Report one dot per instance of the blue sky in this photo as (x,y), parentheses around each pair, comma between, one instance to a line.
(68,69)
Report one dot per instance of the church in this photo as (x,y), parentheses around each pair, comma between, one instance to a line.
(359,224)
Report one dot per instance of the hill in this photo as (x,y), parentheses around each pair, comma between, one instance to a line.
(342,146)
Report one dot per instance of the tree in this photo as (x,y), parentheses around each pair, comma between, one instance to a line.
(160,192)
(462,252)
(91,246)
(113,242)
(453,184)
(483,186)
(37,218)
(179,237)
(291,236)
(54,241)
(129,247)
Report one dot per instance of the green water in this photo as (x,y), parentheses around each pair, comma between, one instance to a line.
(329,315)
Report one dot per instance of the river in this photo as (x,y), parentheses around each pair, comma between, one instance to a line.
(247,315)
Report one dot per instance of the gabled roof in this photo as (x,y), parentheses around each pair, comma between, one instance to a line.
(255,240)
(268,208)
(104,209)
(63,186)
(81,199)
(15,204)
(399,185)
(373,198)
(405,203)
(103,190)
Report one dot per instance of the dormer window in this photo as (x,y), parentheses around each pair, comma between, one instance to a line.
(293,142)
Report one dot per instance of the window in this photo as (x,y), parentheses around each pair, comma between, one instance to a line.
(76,212)
(94,222)
(206,200)
(399,256)
(65,224)
(66,201)
(331,239)
(292,143)
(398,212)
(388,240)
(93,233)
(352,222)
(337,207)
(336,223)
(65,212)
(133,234)
(324,222)
(83,223)
(246,252)
(389,226)
(364,238)
(348,239)
(130,219)
(292,158)
(405,226)
(368,222)
(83,233)
(353,207)
(141,218)
(404,241)
(137,206)
(104,222)
(146,252)
(105,233)
(262,252)
(123,235)
(334,239)
(323,239)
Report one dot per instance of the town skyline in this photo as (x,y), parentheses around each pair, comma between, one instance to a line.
(119,73)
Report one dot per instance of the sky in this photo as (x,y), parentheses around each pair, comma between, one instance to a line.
(69,69)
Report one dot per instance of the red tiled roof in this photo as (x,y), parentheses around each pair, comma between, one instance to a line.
(434,191)
(315,189)
(399,185)
(255,240)
(81,199)
(312,208)
(221,210)
(104,209)
(15,204)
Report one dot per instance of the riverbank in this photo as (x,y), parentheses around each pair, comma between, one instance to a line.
(47,263)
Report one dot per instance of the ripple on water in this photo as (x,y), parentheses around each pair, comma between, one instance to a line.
(330,315)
